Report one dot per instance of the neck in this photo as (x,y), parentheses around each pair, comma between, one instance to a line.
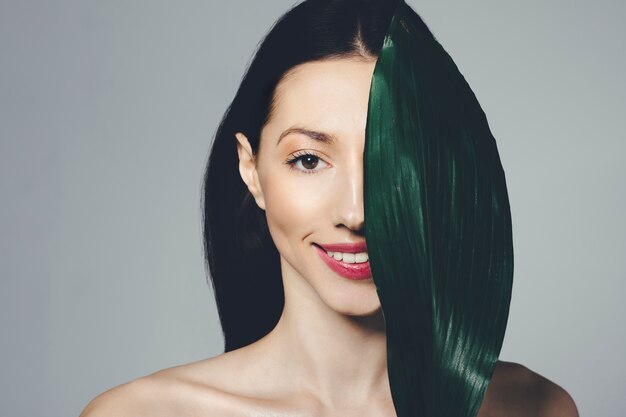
(341,359)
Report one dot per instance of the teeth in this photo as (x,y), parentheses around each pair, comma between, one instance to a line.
(350,258)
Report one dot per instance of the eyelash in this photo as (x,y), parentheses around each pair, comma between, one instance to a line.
(299,156)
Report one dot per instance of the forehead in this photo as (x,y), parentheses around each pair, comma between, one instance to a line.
(329,96)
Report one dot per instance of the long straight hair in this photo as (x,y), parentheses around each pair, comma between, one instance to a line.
(437,219)
(242,259)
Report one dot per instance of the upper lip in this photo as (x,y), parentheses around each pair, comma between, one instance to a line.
(356,247)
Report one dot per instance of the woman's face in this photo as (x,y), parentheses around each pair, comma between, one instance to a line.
(308,177)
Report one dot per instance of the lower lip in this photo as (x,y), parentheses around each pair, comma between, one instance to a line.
(358,271)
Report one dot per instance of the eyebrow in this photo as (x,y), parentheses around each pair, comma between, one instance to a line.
(318,136)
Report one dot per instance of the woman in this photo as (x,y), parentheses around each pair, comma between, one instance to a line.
(350,111)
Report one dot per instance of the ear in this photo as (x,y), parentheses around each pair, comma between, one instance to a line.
(247,169)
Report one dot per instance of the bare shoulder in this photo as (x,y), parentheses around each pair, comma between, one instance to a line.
(180,390)
(129,399)
(515,390)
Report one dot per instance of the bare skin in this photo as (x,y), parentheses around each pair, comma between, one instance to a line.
(327,354)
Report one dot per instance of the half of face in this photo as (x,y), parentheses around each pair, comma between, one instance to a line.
(308,177)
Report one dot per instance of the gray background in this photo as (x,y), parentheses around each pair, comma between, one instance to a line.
(106,114)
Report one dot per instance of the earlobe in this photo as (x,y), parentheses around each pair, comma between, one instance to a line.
(248,169)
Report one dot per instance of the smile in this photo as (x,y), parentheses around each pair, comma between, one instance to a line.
(351,262)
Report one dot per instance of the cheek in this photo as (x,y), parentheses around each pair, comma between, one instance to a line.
(295,207)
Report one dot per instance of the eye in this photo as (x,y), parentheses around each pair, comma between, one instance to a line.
(305,161)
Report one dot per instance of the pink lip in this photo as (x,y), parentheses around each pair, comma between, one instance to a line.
(345,247)
(358,271)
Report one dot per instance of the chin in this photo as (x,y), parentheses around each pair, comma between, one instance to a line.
(357,305)
(361,312)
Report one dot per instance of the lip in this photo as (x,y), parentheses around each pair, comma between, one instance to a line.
(360,271)
(344,247)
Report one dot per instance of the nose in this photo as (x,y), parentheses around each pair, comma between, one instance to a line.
(349,210)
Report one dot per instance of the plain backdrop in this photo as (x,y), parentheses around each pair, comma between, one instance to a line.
(107,112)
